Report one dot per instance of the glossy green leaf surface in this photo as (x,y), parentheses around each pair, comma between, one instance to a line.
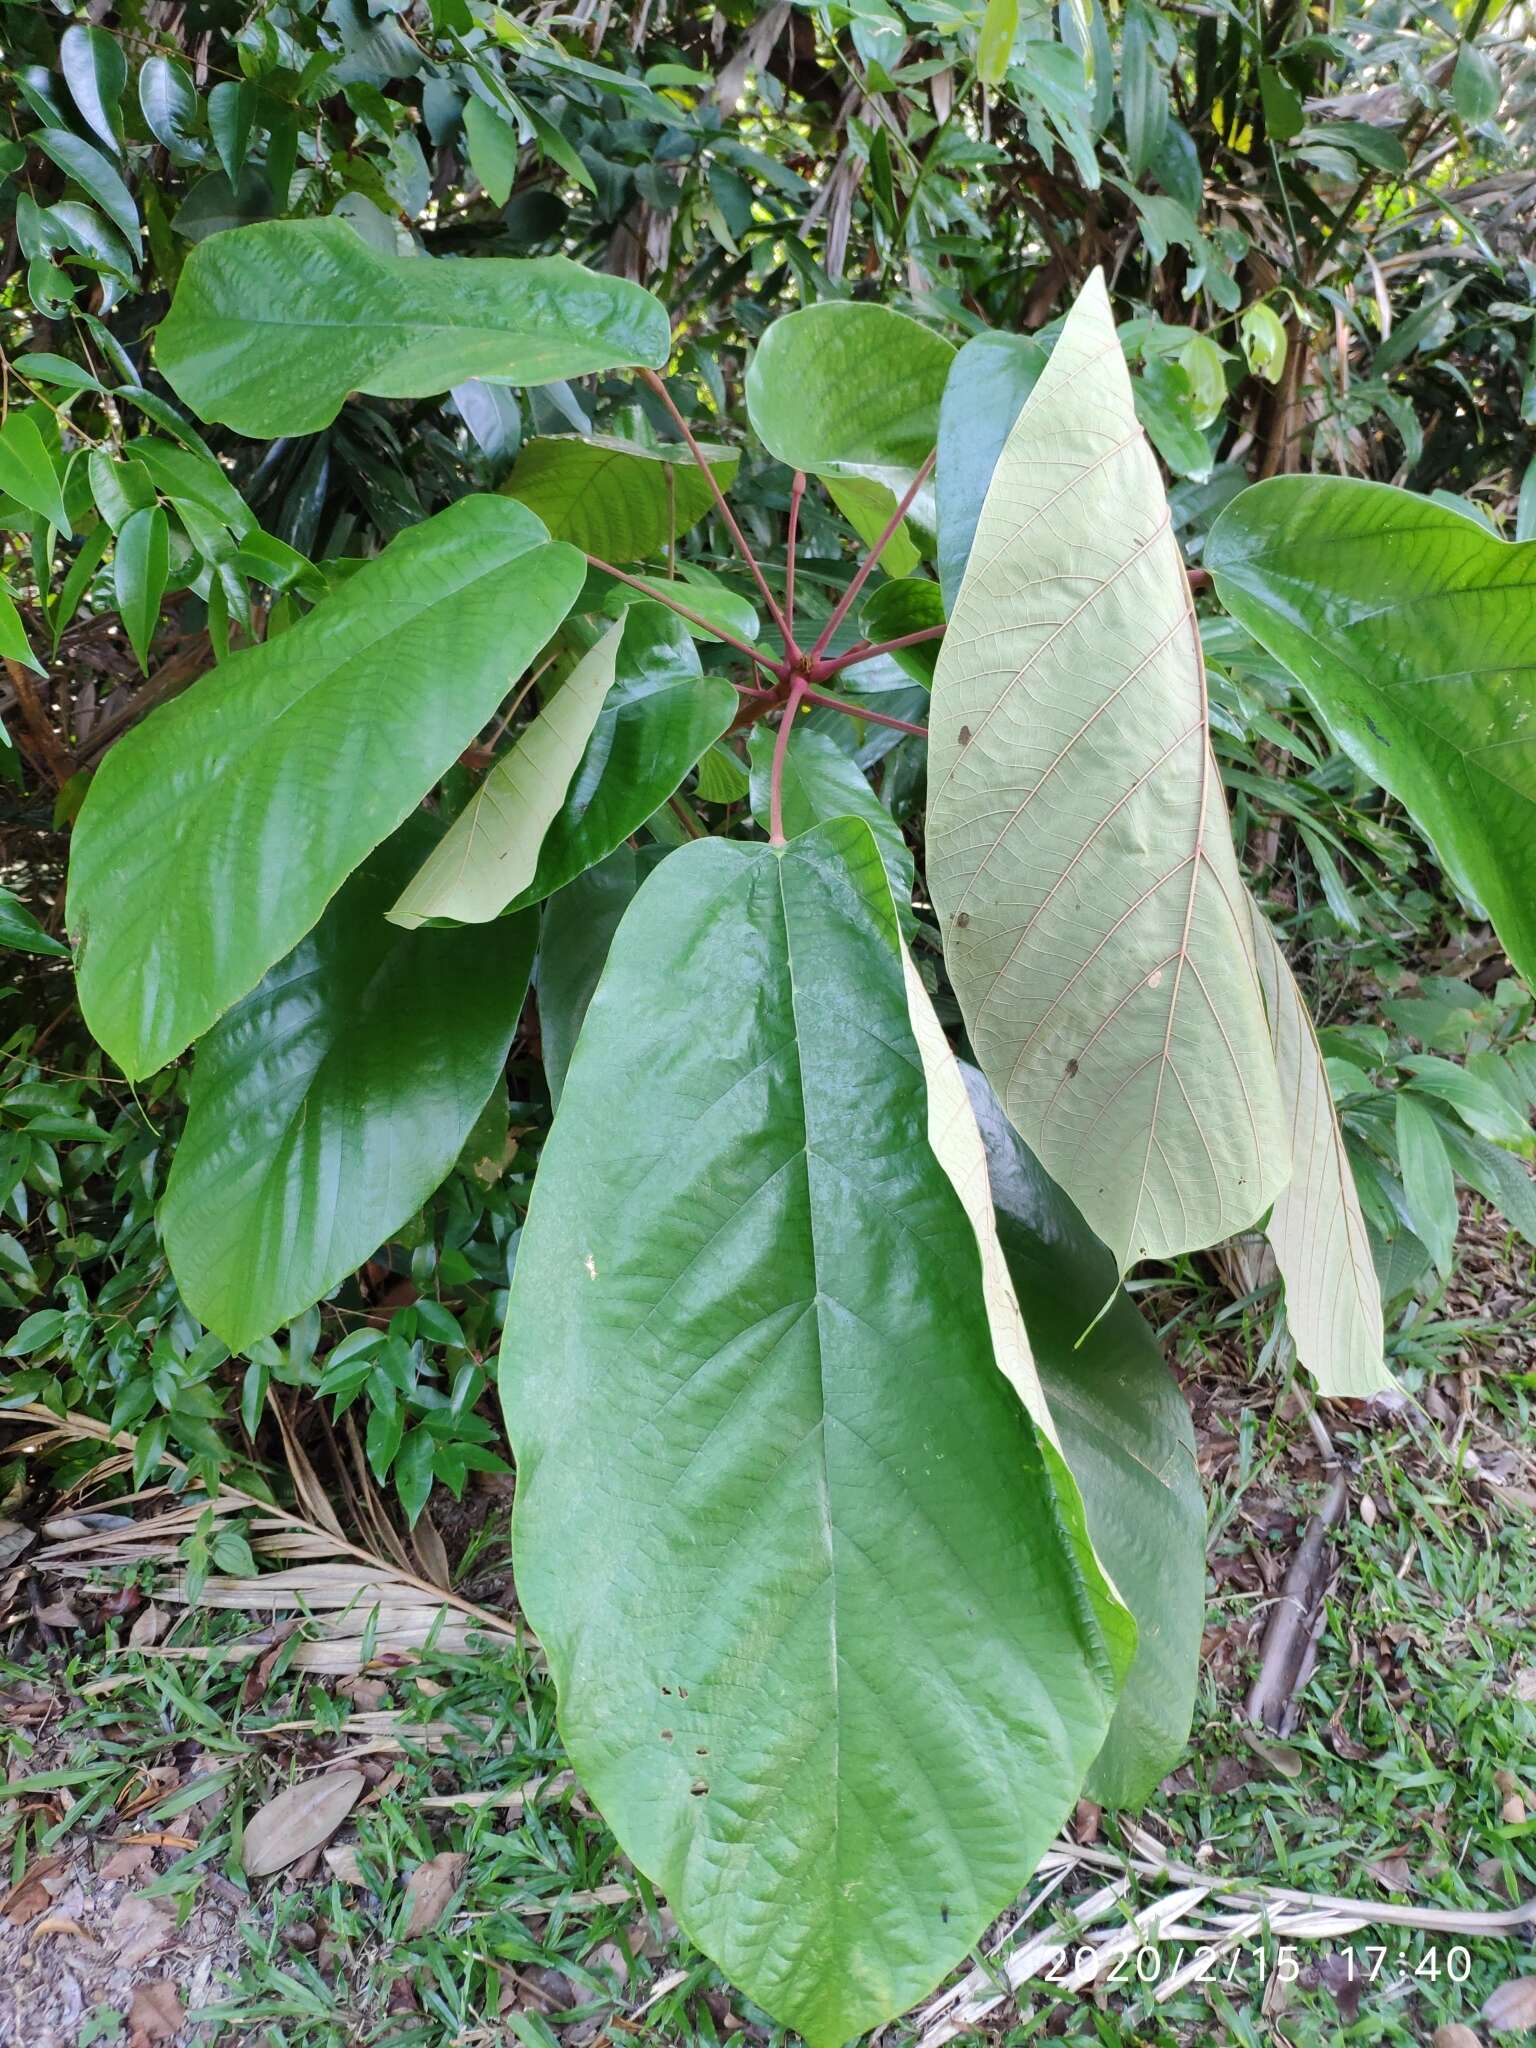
(984,393)
(850,391)
(576,931)
(272,325)
(748,1315)
(26,470)
(613,498)
(215,833)
(1316,1228)
(1413,631)
(822,781)
(1126,1433)
(1079,853)
(910,604)
(334,1098)
(20,931)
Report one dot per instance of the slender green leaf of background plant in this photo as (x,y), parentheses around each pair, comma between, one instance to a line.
(822,781)
(490,853)
(27,472)
(215,833)
(1079,852)
(1499,1179)
(849,392)
(140,565)
(333,1099)
(1315,1229)
(273,325)
(578,925)
(1126,1434)
(14,644)
(168,102)
(657,719)
(613,498)
(21,932)
(1428,1183)
(231,115)
(493,149)
(1413,631)
(1478,1102)
(988,382)
(95,70)
(745,1290)
(1477,85)
(94,174)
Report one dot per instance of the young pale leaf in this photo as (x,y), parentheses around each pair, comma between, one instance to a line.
(609,748)
(1413,631)
(140,566)
(984,394)
(612,498)
(217,831)
(333,1099)
(1428,1182)
(850,392)
(272,325)
(1078,847)
(1126,1433)
(748,1310)
(822,781)
(994,47)
(1316,1229)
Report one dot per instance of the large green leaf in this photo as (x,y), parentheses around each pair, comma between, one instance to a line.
(613,498)
(330,1103)
(988,382)
(748,1318)
(609,748)
(272,325)
(850,392)
(1316,1228)
(1078,848)
(1126,1433)
(822,781)
(1413,631)
(216,832)
(576,931)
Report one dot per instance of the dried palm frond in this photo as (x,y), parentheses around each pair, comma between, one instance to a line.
(361,1609)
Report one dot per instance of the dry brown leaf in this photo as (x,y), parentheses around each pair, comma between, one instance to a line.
(1513,2005)
(14,1539)
(430,1887)
(156,2013)
(59,1923)
(128,1861)
(1454,2036)
(298,1820)
(30,1895)
(1525,1682)
(141,1928)
(57,1614)
(1392,1872)
(345,1865)
(148,1627)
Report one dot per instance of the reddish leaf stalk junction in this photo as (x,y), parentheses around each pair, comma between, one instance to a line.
(798,670)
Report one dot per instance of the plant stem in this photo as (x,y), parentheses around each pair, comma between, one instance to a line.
(868,649)
(796,493)
(861,574)
(797,692)
(862,711)
(697,618)
(737,536)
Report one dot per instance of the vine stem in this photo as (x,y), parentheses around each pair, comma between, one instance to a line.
(863,711)
(791,651)
(868,649)
(861,574)
(798,692)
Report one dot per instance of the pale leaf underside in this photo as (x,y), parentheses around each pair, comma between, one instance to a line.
(1078,847)
(1332,1298)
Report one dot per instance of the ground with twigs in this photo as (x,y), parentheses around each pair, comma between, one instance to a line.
(463,1889)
